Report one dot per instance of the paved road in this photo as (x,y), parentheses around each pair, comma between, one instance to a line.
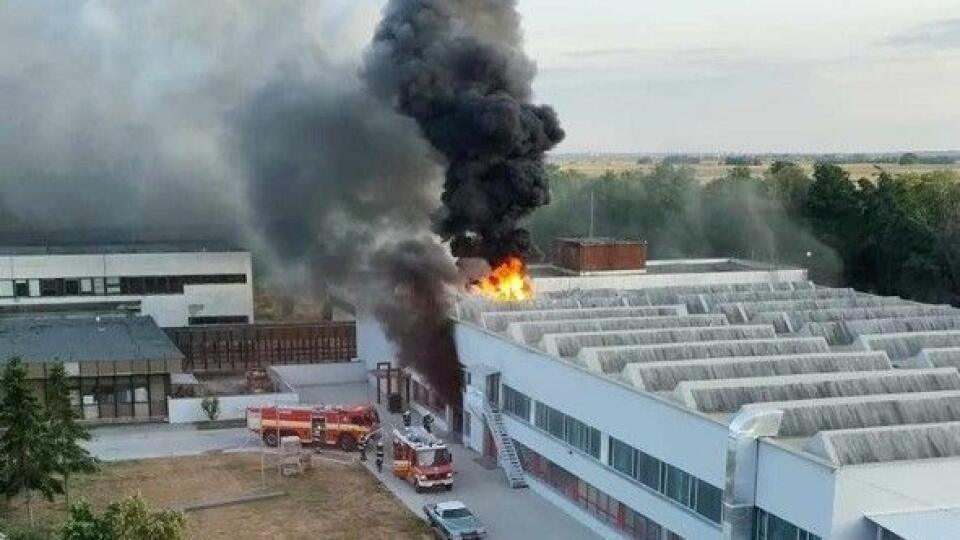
(115,443)
(508,514)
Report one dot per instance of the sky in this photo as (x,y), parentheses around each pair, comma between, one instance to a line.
(749,76)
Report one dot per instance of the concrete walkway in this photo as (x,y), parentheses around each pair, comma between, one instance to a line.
(143,441)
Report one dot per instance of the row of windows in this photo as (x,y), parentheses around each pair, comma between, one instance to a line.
(686,489)
(596,502)
(113,285)
(682,487)
(569,429)
(767,526)
(516,403)
(222,319)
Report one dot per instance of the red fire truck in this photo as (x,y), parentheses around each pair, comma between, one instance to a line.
(342,426)
(422,459)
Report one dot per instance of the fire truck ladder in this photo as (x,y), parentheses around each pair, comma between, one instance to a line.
(506,452)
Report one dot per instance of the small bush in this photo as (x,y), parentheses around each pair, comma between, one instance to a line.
(211,407)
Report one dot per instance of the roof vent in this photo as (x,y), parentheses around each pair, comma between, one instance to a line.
(597,255)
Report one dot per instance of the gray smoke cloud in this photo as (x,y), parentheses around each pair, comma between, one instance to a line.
(173,119)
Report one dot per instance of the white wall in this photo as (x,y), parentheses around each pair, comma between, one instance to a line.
(187,410)
(372,344)
(166,310)
(899,486)
(662,429)
(314,374)
(795,487)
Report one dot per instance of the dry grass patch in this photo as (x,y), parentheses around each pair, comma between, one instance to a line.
(327,501)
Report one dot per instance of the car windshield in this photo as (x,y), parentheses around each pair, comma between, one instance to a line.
(454,513)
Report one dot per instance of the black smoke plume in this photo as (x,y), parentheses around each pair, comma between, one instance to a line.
(185,119)
(457,67)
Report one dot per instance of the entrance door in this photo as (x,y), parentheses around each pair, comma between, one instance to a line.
(493,389)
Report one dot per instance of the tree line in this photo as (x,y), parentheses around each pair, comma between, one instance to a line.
(896,234)
(40,450)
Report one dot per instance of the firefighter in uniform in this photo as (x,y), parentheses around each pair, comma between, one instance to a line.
(407,418)
(428,422)
(379,456)
(362,447)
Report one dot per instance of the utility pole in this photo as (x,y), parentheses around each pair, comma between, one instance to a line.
(591,213)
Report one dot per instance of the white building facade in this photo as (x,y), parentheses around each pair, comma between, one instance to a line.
(177,285)
(712,400)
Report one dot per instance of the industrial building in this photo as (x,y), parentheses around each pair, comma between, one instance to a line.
(118,367)
(709,399)
(177,284)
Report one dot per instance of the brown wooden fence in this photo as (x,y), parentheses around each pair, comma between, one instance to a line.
(233,347)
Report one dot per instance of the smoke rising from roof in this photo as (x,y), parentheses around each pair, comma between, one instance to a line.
(173,117)
(458,69)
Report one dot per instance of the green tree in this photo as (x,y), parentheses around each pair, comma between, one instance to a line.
(84,524)
(133,519)
(65,432)
(129,519)
(909,159)
(28,463)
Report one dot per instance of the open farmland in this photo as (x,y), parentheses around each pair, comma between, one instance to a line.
(708,170)
(330,500)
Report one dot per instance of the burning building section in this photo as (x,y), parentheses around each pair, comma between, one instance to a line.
(458,70)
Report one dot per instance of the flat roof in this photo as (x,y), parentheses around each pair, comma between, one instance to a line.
(939,524)
(714,348)
(116,249)
(87,339)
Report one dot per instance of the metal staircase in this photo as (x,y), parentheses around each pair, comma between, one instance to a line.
(506,452)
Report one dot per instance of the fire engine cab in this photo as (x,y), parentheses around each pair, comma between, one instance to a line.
(342,426)
(422,459)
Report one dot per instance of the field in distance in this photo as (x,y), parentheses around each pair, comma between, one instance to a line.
(328,501)
(708,170)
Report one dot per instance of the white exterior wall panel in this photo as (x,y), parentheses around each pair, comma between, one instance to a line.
(666,431)
(796,488)
(166,309)
(655,506)
(889,487)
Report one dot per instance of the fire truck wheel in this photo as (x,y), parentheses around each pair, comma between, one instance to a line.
(417,487)
(347,443)
(448,487)
(270,439)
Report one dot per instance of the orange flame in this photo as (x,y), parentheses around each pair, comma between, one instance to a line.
(508,282)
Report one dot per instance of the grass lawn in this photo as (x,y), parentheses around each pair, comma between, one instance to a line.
(329,500)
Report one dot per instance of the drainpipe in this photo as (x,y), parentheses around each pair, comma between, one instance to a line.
(740,482)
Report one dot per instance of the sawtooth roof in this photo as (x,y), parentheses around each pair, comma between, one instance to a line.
(835,361)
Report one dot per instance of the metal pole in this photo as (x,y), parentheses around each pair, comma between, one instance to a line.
(591,213)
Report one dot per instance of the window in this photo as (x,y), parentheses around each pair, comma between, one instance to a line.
(20,288)
(6,288)
(71,287)
(113,285)
(51,287)
(568,429)
(222,319)
(516,403)
(98,287)
(709,500)
(466,423)
(682,487)
(86,286)
(767,526)
(622,457)
(599,504)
